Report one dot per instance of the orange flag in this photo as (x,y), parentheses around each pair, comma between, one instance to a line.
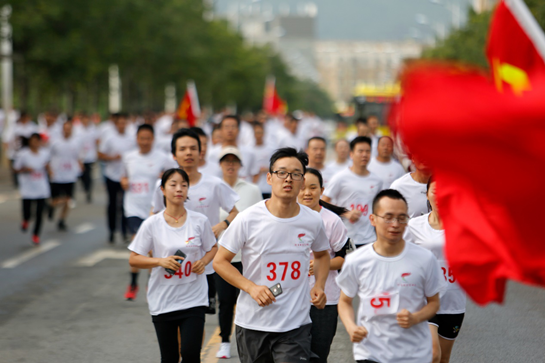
(189,108)
(484,137)
(272,103)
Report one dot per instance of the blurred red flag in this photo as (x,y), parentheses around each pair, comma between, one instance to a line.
(485,141)
(272,103)
(189,108)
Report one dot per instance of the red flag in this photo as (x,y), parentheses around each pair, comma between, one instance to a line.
(272,103)
(484,141)
(189,108)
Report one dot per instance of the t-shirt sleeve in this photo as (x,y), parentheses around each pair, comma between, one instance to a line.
(407,235)
(235,236)
(434,281)
(339,235)
(157,201)
(104,146)
(143,241)
(333,187)
(228,197)
(19,161)
(208,239)
(321,242)
(347,279)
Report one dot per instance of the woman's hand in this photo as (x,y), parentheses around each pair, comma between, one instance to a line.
(198,267)
(170,262)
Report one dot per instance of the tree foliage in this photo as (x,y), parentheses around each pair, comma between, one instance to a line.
(63,48)
(468,43)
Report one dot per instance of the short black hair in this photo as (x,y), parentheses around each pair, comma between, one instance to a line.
(360,120)
(181,133)
(145,127)
(167,174)
(234,117)
(199,131)
(289,152)
(359,140)
(316,138)
(387,193)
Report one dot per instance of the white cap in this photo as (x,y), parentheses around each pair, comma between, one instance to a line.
(231,150)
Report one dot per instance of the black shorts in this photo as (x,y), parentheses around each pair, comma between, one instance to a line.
(263,347)
(62,190)
(133,224)
(448,325)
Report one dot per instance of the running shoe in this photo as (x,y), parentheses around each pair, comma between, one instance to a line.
(131,292)
(225,351)
(50,211)
(35,239)
(61,226)
(111,239)
(24,226)
(211,309)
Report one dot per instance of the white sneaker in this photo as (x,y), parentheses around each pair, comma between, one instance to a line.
(225,351)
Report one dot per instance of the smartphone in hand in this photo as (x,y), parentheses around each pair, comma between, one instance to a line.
(178,253)
(276,290)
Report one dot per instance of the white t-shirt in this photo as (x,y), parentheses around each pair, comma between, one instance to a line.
(337,235)
(263,155)
(414,193)
(185,289)
(206,197)
(211,169)
(352,191)
(88,136)
(419,231)
(275,250)
(332,168)
(142,170)
(34,185)
(116,144)
(388,172)
(65,156)
(385,286)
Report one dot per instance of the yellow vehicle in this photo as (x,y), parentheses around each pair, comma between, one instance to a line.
(370,99)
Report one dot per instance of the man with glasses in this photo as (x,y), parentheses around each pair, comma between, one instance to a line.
(354,189)
(275,238)
(398,286)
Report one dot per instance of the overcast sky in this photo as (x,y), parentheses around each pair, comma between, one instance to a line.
(367,19)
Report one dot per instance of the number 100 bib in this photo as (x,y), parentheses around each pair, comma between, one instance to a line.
(290,270)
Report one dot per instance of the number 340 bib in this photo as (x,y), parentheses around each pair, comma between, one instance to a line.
(289,270)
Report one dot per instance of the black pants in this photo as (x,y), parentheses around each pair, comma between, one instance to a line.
(324,327)
(366,361)
(191,325)
(27,212)
(115,203)
(227,296)
(86,178)
(13,173)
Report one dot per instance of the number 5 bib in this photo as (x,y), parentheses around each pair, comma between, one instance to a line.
(380,304)
(184,275)
(290,270)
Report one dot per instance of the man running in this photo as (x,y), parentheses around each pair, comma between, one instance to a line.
(275,238)
(354,189)
(384,165)
(316,150)
(413,186)
(398,286)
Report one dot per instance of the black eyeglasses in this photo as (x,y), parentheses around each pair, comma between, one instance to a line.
(282,174)
(402,219)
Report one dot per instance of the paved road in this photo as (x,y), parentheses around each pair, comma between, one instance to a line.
(64,302)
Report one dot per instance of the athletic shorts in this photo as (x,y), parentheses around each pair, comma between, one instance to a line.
(263,347)
(62,190)
(448,325)
(133,224)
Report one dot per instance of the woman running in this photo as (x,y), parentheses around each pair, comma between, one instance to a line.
(31,166)
(177,300)
(324,322)
(427,231)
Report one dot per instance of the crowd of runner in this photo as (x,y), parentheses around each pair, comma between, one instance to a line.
(245,213)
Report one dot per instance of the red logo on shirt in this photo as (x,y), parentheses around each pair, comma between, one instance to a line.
(303,243)
(201,200)
(406,274)
(300,236)
(405,283)
(189,240)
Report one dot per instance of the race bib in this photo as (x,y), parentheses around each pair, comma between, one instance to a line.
(363,208)
(290,270)
(66,166)
(139,188)
(380,304)
(449,277)
(184,275)
(36,175)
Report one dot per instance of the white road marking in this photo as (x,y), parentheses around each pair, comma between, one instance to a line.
(84,228)
(100,255)
(28,255)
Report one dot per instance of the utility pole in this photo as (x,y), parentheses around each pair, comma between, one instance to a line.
(115,89)
(170,98)
(6,50)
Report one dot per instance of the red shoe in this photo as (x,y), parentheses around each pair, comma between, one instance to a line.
(131,292)
(24,226)
(35,239)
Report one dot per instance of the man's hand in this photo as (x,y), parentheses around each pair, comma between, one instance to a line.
(406,319)
(124,183)
(262,295)
(357,333)
(311,268)
(353,216)
(198,267)
(218,228)
(317,297)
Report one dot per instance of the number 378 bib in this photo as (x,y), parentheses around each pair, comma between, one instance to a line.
(290,270)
